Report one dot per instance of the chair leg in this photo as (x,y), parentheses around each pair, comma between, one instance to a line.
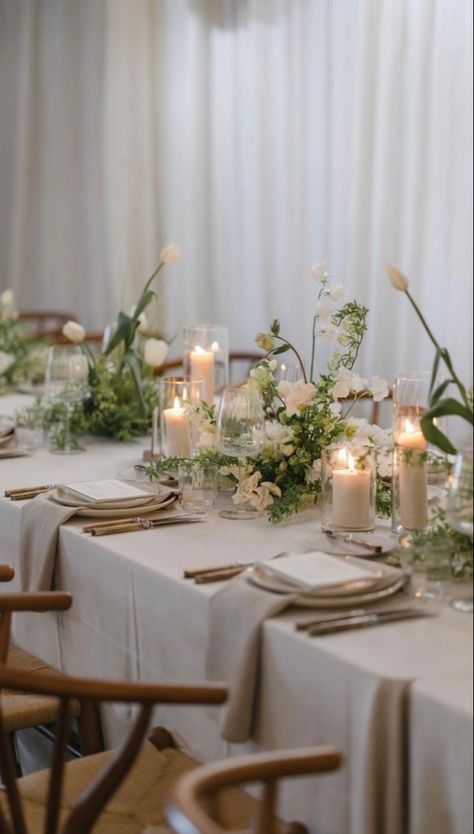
(14,754)
(90,729)
(161,738)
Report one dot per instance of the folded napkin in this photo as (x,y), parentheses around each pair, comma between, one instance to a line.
(39,528)
(237,614)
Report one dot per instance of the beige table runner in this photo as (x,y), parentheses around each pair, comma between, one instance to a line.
(237,614)
(39,526)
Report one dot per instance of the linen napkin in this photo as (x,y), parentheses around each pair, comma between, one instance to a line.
(237,614)
(39,529)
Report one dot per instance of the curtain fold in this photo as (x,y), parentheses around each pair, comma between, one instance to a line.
(261,136)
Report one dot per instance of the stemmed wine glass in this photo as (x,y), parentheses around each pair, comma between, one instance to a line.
(66,383)
(459,510)
(240,433)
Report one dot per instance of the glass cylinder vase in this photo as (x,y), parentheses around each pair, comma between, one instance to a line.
(178,398)
(348,488)
(411,393)
(206,357)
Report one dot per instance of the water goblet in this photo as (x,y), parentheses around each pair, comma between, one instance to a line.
(459,510)
(66,384)
(240,433)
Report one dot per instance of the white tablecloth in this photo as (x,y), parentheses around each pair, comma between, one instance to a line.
(134,617)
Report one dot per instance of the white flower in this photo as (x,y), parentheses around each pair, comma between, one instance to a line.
(296,395)
(358,383)
(335,409)
(319,273)
(170,253)
(328,332)
(265,341)
(342,384)
(313,474)
(378,388)
(74,331)
(335,291)
(399,281)
(259,495)
(6,361)
(324,308)
(358,427)
(7,298)
(385,463)
(155,352)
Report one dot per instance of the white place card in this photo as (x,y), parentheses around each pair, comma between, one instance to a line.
(109,489)
(314,570)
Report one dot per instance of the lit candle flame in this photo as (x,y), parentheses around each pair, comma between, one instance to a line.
(342,457)
(215,347)
(410,427)
(177,406)
(199,349)
(352,464)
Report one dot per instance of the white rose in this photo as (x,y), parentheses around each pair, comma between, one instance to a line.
(399,281)
(299,394)
(335,409)
(155,352)
(378,388)
(170,253)
(342,384)
(7,298)
(313,474)
(74,331)
(358,383)
(6,361)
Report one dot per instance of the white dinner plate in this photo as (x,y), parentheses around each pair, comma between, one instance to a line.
(6,438)
(131,512)
(13,452)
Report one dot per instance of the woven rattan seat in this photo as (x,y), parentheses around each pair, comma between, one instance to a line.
(138,803)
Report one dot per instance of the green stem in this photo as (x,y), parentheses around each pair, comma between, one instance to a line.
(292,347)
(438,347)
(313,350)
(148,283)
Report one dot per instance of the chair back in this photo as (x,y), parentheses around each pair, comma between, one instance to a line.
(83,814)
(375,407)
(44,324)
(190,809)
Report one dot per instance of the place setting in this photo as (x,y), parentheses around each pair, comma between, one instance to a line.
(9,445)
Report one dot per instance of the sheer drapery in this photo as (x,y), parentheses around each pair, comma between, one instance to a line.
(260,134)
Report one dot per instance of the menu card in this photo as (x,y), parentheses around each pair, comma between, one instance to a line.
(106,490)
(314,570)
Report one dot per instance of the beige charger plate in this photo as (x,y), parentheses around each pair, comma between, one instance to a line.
(126,512)
(391,582)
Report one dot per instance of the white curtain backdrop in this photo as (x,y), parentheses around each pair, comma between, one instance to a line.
(260,134)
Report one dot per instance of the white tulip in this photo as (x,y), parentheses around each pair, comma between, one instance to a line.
(74,331)
(319,272)
(170,253)
(155,352)
(324,308)
(397,278)
(7,298)
(142,323)
(6,361)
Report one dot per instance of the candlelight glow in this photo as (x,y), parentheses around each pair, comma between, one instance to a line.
(177,406)
(342,458)
(199,349)
(410,427)
(351,464)
(215,347)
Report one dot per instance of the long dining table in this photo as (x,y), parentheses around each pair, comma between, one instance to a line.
(396,699)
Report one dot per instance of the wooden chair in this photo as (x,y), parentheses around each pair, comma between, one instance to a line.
(44,324)
(23,712)
(94,338)
(190,811)
(375,408)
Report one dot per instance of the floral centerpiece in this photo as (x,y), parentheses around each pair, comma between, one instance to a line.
(303,417)
(21,356)
(122,390)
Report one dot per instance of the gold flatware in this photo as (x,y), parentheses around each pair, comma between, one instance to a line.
(21,493)
(367,620)
(192,574)
(219,576)
(351,539)
(146,524)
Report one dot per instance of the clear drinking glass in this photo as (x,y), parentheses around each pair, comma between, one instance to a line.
(29,428)
(240,433)
(197,484)
(66,384)
(459,509)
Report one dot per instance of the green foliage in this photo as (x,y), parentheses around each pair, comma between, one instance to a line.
(28,353)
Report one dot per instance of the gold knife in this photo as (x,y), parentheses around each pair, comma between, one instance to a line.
(367,620)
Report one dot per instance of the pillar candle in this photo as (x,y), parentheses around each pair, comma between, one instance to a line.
(412,479)
(202,367)
(350,495)
(177,434)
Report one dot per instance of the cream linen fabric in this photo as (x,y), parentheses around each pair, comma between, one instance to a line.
(40,523)
(138,803)
(134,617)
(237,614)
